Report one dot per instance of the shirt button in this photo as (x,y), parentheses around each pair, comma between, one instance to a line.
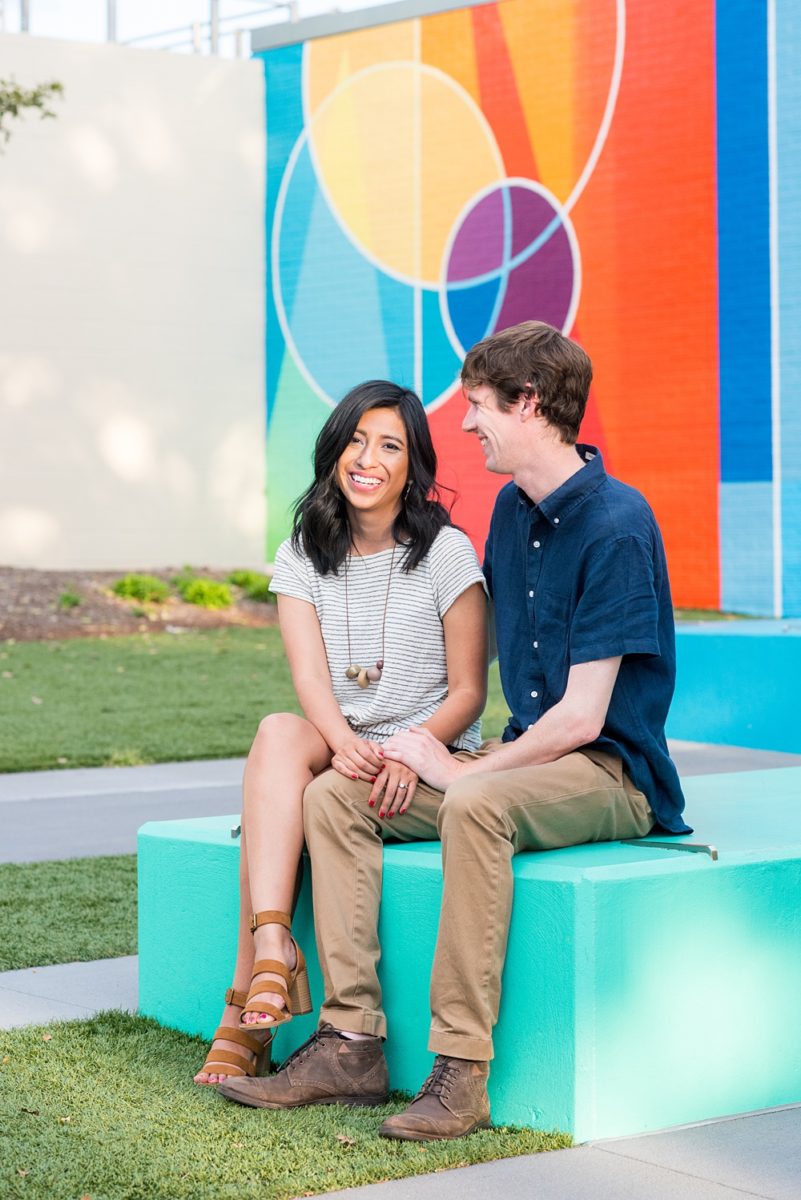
(536,545)
(536,645)
(531,726)
(531,595)
(533,695)
(556,520)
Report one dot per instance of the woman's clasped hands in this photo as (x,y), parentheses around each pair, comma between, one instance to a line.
(393,783)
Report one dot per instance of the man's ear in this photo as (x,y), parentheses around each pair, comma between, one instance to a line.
(530,404)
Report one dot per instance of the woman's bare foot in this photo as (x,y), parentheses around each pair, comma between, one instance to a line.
(220,1069)
(270,941)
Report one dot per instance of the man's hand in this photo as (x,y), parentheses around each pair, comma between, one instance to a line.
(418,749)
(357,758)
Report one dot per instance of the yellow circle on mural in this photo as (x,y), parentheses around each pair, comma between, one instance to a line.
(399,150)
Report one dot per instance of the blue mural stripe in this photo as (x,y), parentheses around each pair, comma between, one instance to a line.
(283,96)
(441,364)
(396,302)
(743,240)
(746,548)
(788,121)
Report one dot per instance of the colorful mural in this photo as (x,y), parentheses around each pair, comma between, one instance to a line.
(438,178)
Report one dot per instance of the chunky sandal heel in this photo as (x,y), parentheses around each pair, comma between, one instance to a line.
(229,1062)
(300,1000)
(294,991)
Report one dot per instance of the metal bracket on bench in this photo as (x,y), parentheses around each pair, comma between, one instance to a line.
(686,847)
(235,831)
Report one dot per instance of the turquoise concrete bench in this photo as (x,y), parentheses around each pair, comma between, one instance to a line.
(733,680)
(643,988)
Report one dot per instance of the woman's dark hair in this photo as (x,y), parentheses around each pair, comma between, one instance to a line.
(321,526)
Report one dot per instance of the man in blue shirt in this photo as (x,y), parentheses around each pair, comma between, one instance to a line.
(576,569)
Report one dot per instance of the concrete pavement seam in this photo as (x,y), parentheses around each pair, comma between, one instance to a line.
(685,1174)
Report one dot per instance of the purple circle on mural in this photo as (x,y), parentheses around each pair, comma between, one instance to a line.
(513,258)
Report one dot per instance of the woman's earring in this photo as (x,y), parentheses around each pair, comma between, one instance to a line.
(407,489)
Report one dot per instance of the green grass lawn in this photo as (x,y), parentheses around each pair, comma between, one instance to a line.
(72,911)
(106,1109)
(148,698)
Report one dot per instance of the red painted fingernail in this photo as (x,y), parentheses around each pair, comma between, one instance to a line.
(381,753)
(354,776)
(373,779)
(380,814)
(371,803)
(390,815)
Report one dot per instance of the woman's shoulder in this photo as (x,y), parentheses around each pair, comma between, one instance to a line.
(452,544)
(288,552)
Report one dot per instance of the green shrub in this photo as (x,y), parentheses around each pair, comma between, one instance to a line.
(184,577)
(146,588)
(68,599)
(207,593)
(260,590)
(255,585)
(245,578)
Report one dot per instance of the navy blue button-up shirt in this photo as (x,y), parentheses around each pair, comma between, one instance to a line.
(578,577)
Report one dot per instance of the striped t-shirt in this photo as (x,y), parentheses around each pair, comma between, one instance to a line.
(414,681)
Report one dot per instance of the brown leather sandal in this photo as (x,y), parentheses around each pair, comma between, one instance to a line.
(295,994)
(228,1062)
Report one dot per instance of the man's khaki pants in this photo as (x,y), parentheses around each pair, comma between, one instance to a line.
(482,820)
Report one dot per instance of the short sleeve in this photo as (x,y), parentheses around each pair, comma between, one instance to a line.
(617,612)
(454,568)
(290,574)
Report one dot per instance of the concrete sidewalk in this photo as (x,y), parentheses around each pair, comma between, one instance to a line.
(758,1155)
(78,813)
(70,991)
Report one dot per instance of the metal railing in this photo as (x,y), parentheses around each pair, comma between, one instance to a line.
(197,36)
(201,34)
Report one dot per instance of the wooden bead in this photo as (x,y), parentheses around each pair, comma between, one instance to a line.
(362,679)
(352,671)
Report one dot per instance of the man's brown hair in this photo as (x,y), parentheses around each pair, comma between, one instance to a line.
(534,358)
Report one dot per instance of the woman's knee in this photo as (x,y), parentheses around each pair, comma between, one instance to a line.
(277,729)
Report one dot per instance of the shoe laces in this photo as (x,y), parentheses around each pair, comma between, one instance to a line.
(310,1046)
(439,1082)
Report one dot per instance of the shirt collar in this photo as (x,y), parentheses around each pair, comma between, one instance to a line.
(574,491)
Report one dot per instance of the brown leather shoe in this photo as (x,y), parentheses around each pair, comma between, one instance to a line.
(453,1101)
(326,1069)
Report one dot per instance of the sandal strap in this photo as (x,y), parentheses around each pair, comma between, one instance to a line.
(236,1034)
(273,989)
(270,916)
(228,1058)
(270,966)
(279,1014)
(232,996)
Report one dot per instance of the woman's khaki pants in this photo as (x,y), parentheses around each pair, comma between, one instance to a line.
(482,820)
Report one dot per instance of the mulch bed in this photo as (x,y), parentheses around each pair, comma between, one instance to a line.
(30,609)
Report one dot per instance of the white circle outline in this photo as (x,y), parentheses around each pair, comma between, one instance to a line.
(561,219)
(581,183)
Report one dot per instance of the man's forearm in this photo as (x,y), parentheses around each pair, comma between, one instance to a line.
(559,731)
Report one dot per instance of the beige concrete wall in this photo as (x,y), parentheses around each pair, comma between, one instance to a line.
(132,311)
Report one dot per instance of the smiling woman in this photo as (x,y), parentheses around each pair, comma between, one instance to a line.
(374,573)
(372,471)
(375,446)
